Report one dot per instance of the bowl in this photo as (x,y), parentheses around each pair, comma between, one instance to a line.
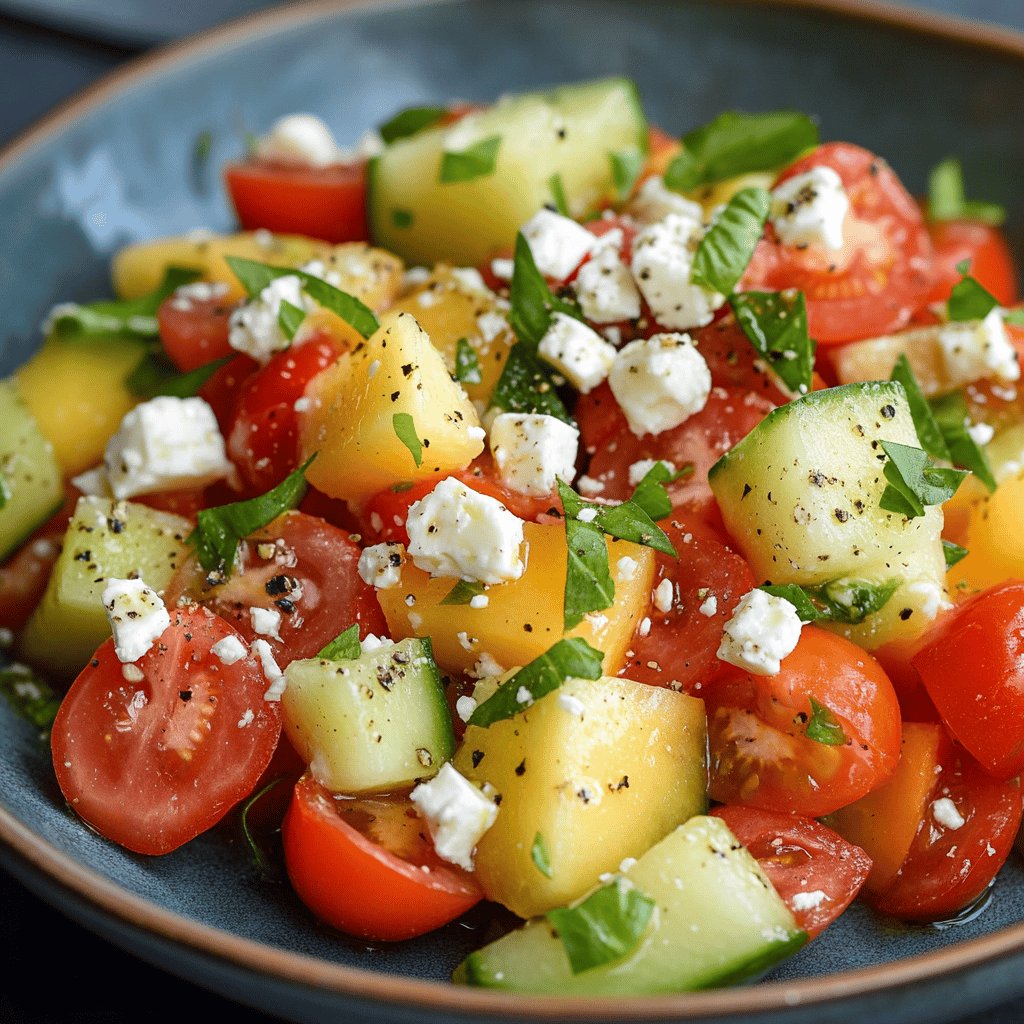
(119,164)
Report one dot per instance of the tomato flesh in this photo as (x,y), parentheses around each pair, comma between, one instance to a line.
(194,331)
(985,249)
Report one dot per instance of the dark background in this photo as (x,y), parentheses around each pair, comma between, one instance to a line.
(52,970)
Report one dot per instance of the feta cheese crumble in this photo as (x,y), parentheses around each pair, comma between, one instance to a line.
(709,606)
(577,352)
(532,451)
(254,328)
(165,444)
(301,139)
(137,617)
(639,469)
(660,382)
(265,621)
(558,244)
(808,900)
(380,565)
(464,707)
(945,812)
(654,202)
(810,209)
(975,349)
(456,531)
(664,595)
(763,630)
(605,287)
(457,815)
(229,650)
(271,670)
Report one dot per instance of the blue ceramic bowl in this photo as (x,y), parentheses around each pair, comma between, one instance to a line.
(117,166)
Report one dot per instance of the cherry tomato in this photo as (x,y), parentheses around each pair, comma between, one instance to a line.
(194,331)
(679,647)
(732,360)
(263,441)
(221,390)
(882,273)
(974,673)
(321,202)
(182,502)
(760,753)
(367,866)
(152,763)
(949,868)
(984,247)
(815,870)
(301,567)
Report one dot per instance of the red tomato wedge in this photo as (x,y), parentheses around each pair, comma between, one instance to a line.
(152,763)
(322,202)
(760,753)
(367,866)
(883,272)
(815,870)
(984,247)
(194,331)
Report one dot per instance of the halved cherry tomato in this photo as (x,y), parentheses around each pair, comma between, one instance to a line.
(984,247)
(815,870)
(194,331)
(678,647)
(974,673)
(732,360)
(761,755)
(301,567)
(367,866)
(151,763)
(949,868)
(882,273)
(263,441)
(183,502)
(321,202)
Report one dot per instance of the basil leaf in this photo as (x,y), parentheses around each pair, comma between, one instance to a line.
(843,600)
(775,323)
(219,530)
(650,493)
(928,431)
(290,319)
(463,592)
(5,489)
(405,429)
(626,167)
(527,385)
(953,553)
(606,926)
(157,375)
(558,194)
(588,583)
(824,727)
(476,161)
(30,696)
(539,856)
(127,318)
(402,486)
(570,658)
(344,647)
(627,521)
(946,198)
(531,299)
(912,483)
(736,143)
(798,597)
(467,363)
(409,122)
(969,300)
(269,868)
(950,412)
(402,218)
(255,276)
(726,248)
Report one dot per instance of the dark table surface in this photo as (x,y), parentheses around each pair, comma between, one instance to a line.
(52,970)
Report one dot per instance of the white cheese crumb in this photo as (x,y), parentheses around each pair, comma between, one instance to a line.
(457,815)
(638,470)
(136,615)
(645,626)
(709,606)
(589,486)
(229,649)
(371,642)
(464,708)
(523,696)
(945,812)
(478,601)
(974,349)
(577,351)
(807,900)
(486,667)
(300,139)
(653,202)
(664,595)
(271,670)
(810,209)
(625,568)
(266,622)
(763,630)
(586,515)
(248,717)
(980,433)
(533,451)
(573,705)
(605,288)
(558,244)
(380,565)
(132,673)
(254,328)
(94,482)
(502,269)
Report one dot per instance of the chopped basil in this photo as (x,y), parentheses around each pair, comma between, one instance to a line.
(950,412)
(201,150)
(798,597)
(588,583)
(570,658)
(402,486)
(539,855)
(775,323)
(252,143)
(255,276)
(409,122)
(402,218)
(650,493)
(130,319)
(289,318)
(5,489)
(606,926)
(947,200)
(558,194)
(626,167)
(405,429)
(463,592)
(476,161)
(467,363)
(736,143)
(157,375)
(219,530)
(627,520)
(269,867)
(527,385)
(824,727)
(928,431)
(532,301)
(845,601)
(953,553)
(912,483)
(969,300)
(344,647)
(726,248)
(30,696)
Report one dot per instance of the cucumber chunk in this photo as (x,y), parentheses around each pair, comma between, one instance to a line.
(570,132)
(105,539)
(30,480)
(717,920)
(800,495)
(376,723)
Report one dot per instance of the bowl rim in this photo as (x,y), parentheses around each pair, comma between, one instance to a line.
(122,904)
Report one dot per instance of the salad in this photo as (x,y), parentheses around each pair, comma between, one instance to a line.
(533,507)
